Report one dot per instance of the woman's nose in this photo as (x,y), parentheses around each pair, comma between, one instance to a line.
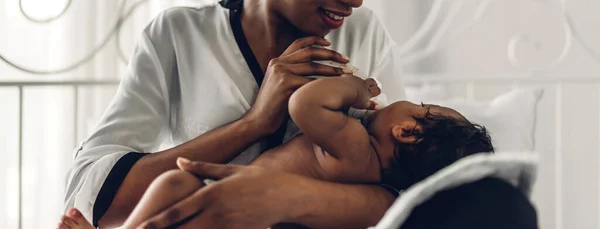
(353,3)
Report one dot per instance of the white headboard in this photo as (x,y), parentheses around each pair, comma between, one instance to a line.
(564,64)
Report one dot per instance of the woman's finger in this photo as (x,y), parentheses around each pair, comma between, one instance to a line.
(178,212)
(305,42)
(294,82)
(309,54)
(372,105)
(207,170)
(312,69)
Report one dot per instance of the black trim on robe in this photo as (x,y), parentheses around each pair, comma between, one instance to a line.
(489,203)
(235,19)
(112,183)
(118,173)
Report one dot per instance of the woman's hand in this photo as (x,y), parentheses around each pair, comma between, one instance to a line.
(249,197)
(246,197)
(287,73)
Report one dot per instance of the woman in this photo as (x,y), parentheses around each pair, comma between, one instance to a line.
(194,81)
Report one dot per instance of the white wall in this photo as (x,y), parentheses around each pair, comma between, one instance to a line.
(402,18)
(573,201)
(566,194)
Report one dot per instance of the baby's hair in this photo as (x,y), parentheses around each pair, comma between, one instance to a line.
(443,141)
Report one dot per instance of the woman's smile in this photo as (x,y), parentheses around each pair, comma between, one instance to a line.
(333,19)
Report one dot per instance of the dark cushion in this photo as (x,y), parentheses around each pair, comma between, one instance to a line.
(489,203)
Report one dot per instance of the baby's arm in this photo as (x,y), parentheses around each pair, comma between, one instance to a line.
(316,108)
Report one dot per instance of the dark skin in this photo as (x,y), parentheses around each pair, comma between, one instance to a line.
(334,147)
(282,22)
(340,162)
(350,155)
(279,40)
(282,78)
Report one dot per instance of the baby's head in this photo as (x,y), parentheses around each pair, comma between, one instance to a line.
(415,141)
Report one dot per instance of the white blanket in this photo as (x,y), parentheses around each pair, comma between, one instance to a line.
(518,169)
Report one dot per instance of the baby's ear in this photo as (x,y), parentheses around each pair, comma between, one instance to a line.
(404,132)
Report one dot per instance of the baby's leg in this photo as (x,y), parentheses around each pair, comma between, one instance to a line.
(166,190)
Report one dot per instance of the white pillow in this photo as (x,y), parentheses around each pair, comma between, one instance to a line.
(509,118)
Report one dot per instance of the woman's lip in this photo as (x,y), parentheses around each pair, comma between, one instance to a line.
(339,13)
(333,24)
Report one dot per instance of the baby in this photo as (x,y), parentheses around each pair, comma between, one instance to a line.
(396,146)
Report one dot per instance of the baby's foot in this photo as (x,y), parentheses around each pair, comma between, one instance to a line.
(74,220)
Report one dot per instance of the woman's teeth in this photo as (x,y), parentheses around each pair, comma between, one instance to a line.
(333,16)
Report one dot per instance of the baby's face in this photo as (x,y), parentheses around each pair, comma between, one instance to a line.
(397,123)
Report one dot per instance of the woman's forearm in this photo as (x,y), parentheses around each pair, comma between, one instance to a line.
(217,146)
(332,205)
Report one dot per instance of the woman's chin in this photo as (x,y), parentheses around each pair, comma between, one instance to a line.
(316,30)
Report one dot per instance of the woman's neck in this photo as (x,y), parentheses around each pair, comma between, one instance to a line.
(268,34)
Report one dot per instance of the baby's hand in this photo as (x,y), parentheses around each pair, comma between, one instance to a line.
(374,89)
(367,89)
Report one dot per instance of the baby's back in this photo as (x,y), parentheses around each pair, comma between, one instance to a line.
(299,156)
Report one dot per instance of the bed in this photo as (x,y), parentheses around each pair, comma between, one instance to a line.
(542,113)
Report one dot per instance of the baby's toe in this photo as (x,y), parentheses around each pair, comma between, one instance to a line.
(78,219)
(68,222)
(62,225)
(76,215)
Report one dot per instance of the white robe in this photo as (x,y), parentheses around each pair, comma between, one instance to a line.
(188,76)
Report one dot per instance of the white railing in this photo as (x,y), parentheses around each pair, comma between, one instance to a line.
(21,85)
